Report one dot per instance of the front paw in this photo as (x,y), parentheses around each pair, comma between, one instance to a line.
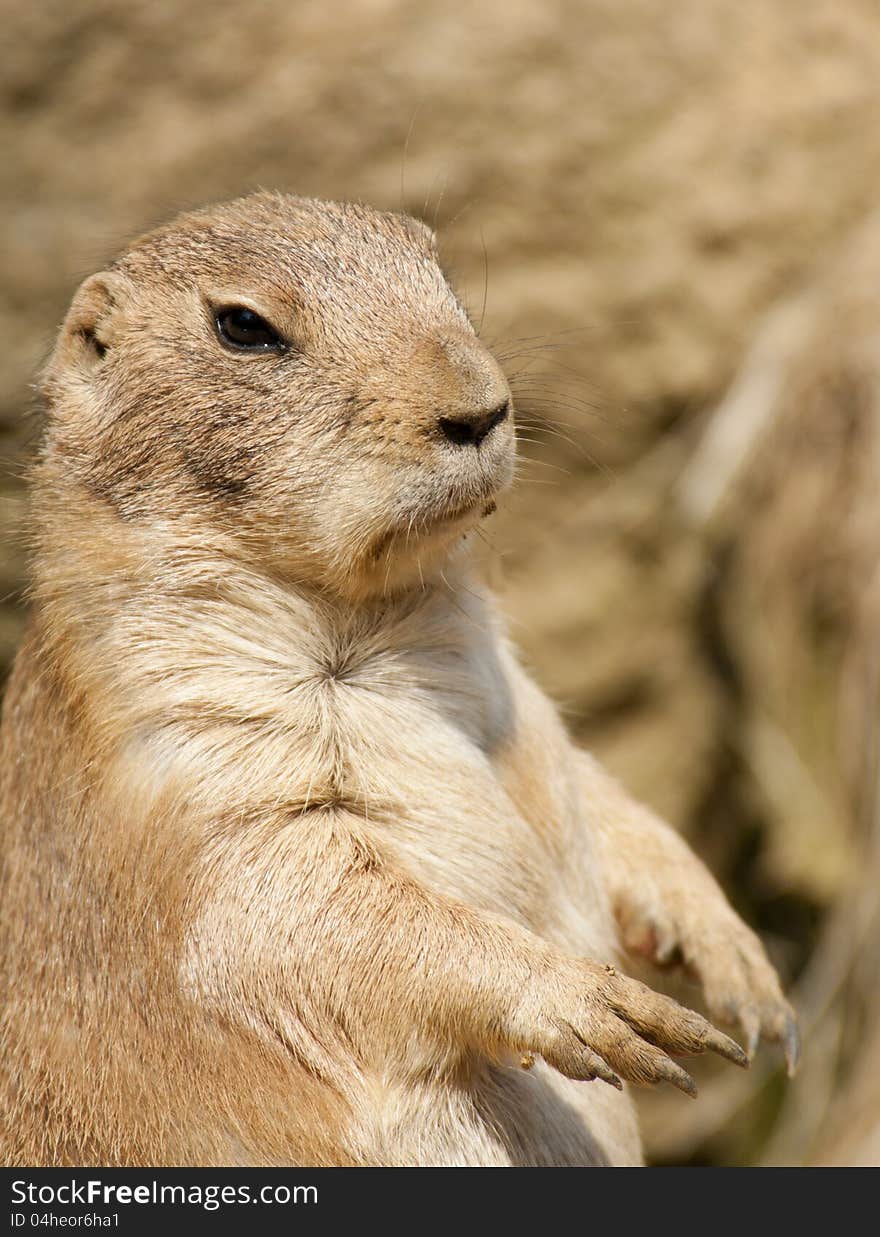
(596,1023)
(740,985)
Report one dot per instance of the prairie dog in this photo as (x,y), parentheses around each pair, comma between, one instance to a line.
(298,865)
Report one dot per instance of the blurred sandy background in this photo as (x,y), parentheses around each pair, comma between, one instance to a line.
(668,218)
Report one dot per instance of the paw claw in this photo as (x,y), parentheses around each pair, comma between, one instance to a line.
(617,1029)
(680,1078)
(791,1045)
(726,1047)
(666,948)
(577,1060)
(750,1022)
(727,959)
(607,1074)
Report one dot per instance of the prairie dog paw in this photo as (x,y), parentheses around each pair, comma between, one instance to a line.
(597,1023)
(740,985)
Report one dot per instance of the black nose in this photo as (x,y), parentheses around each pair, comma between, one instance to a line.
(471,429)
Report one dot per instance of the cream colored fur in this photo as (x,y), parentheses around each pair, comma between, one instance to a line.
(299,865)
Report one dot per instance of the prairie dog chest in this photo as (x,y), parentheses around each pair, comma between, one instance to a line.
(417,717)
(416,706)
(461,763)
(267,696)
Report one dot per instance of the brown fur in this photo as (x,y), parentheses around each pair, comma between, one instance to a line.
(298,864)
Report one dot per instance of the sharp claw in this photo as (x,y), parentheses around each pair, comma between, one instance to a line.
(666,947)
(590,1065)
(751,1025)
(605,1072)
(681,1079)
(791,1045)
(726,1047)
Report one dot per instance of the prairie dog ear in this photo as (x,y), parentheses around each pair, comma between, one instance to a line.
(90,328)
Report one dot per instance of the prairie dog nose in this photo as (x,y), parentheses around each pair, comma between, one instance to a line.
(478,397)
(469,429)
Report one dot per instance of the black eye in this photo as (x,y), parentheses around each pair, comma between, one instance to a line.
(242,328)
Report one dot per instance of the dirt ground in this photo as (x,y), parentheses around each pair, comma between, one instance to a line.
(667,220)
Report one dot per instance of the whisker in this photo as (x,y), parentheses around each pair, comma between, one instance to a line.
(485,282)
(409,133)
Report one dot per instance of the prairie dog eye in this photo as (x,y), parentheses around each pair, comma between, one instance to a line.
(244,330)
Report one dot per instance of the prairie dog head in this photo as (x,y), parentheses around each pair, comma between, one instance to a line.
(295,375)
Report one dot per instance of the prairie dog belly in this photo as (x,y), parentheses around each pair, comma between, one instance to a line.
(503,1117)
(492,820)
(480,804)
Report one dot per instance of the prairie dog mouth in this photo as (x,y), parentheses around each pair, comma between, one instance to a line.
(410,531)
(478,507)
